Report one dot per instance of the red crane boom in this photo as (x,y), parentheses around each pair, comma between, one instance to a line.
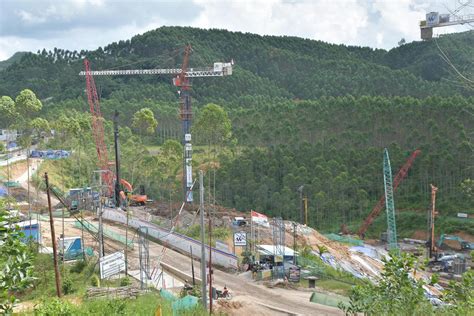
(98,128)
(402,173)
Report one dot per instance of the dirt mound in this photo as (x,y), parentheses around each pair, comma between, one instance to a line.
(419,234)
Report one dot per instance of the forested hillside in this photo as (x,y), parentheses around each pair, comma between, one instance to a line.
(302,112)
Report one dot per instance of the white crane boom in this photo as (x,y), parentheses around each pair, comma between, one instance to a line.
(219,70)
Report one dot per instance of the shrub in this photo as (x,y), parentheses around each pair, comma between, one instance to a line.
(125,281)
(67,286)
(95,281)
(54,307)
(78,266)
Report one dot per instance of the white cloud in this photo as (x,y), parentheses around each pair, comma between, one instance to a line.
(29,25)
(332,21)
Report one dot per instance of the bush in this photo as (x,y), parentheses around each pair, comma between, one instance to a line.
(125,281)
(67,286)
(55,307)
(95,281)
(78,266)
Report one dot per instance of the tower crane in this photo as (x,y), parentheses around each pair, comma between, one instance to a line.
(181,80)
(402,173)
(434,19)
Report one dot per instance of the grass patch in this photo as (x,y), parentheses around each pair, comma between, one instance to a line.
(144,305)
(76,278)
(194,231)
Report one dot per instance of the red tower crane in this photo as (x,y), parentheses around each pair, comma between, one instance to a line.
(402,173)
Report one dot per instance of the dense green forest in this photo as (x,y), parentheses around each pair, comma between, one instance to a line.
(302,112)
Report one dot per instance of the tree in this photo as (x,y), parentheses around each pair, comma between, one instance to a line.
(213,125)
(40,125)
(461,294)
(396,292)
(8,111)
(144,121)
(27,104)
(16,268)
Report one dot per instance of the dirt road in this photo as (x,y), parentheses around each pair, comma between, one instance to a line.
(245,291)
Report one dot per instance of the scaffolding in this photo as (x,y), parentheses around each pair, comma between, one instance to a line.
(278,246)
(144,256)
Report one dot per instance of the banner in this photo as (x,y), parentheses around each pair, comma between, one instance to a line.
(259,219)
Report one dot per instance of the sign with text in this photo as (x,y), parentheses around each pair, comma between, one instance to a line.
(240,239)
(112,264)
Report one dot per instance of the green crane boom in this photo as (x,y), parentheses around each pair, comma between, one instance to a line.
(389,203)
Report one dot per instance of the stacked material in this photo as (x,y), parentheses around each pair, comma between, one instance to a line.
(115,293)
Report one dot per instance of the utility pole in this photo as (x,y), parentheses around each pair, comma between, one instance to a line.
(210,263)
(306,210)
(203,248)
(433,214)
(28,183)
(192,264)
(62,235)
(117,159)
(126,239)
(300,190)
(53,238)
(294,243)
(101,232)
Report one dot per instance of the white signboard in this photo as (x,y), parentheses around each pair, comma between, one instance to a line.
(187,137)
(463,215)
(112,264)
(189,172)
(240,239)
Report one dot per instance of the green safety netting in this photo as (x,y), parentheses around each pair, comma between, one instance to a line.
(187,302)
(45,217)
(329,300)
(344,239)
(11,184)
(167,295)
(107,232)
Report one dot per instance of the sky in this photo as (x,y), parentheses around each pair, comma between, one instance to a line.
(30,25)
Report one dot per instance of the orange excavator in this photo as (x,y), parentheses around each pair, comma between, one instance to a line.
(134,199)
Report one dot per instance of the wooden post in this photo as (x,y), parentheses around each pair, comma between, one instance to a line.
(53,238)
(192,264)
(203,246)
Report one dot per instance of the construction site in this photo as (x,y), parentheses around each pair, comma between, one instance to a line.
(196,253)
